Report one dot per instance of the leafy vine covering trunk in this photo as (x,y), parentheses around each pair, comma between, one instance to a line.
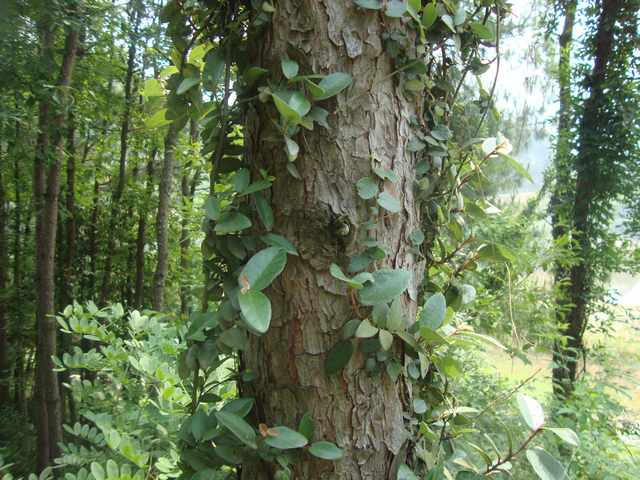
(323,216)
(594,185)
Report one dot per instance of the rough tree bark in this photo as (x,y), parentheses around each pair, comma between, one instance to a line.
(46,192)
(363,414)
(162,218)
(587,170)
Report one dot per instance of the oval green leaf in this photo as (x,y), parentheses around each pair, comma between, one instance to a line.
(256,310)
(241,429)
(326,450)
(284,438)
(263,268)
(387,285)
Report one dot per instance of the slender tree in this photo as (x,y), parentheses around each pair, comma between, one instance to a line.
(46,190)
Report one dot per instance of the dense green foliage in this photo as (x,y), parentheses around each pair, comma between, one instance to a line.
(128,129)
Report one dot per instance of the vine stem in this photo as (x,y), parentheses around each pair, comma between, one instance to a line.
(496,466)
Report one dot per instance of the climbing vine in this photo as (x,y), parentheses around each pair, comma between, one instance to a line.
(438,48)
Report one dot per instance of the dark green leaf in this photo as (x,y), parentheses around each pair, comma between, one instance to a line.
(264,211)
(263,268)
(241,429)
(306,426)
(232,222)
(338,357)
(212,208)
(481,31)
(279,241)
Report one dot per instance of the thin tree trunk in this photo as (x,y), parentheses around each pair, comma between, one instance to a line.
(162,219)
(18,372)
(141,239)
(116,214)
(587,171)
(46,191)
(361,412)
(5,375)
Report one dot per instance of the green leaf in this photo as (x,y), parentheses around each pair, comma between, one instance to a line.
(566,435)
(213,69)
(319,115)
(306,426)
(517,166)
(158,119)
(369,4)
(264,211)
(389,202)
(239,406)
(291,105)
(284,438)
(256,310)
(481,31)
(333,84)
(433,311)
(292,149)
(338,357)
(366,329)
(326,450)
(289,67)
(405,473)
(232,222)
(241,179)
(367,188)
(263,268)
(416,237)
(234,338)
(112,470)
(97,471)
(356,282)
(547,467)
(448,21)
(241,429)
(386,339)
(152,88)
(419,406)
(441,132)
(279,241)
(531,411)
(396,8)
(187,84)
(212,208)
(385,174)
(387,285)
(429,15)
(395,317)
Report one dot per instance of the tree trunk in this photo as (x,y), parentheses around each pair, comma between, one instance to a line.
(162,219)
(116,213)
(587,165)
(18,374)
(560,201)
(5,397)
(362,413)
(141,238)
(46,191)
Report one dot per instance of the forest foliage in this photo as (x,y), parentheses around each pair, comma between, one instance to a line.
(159,280)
